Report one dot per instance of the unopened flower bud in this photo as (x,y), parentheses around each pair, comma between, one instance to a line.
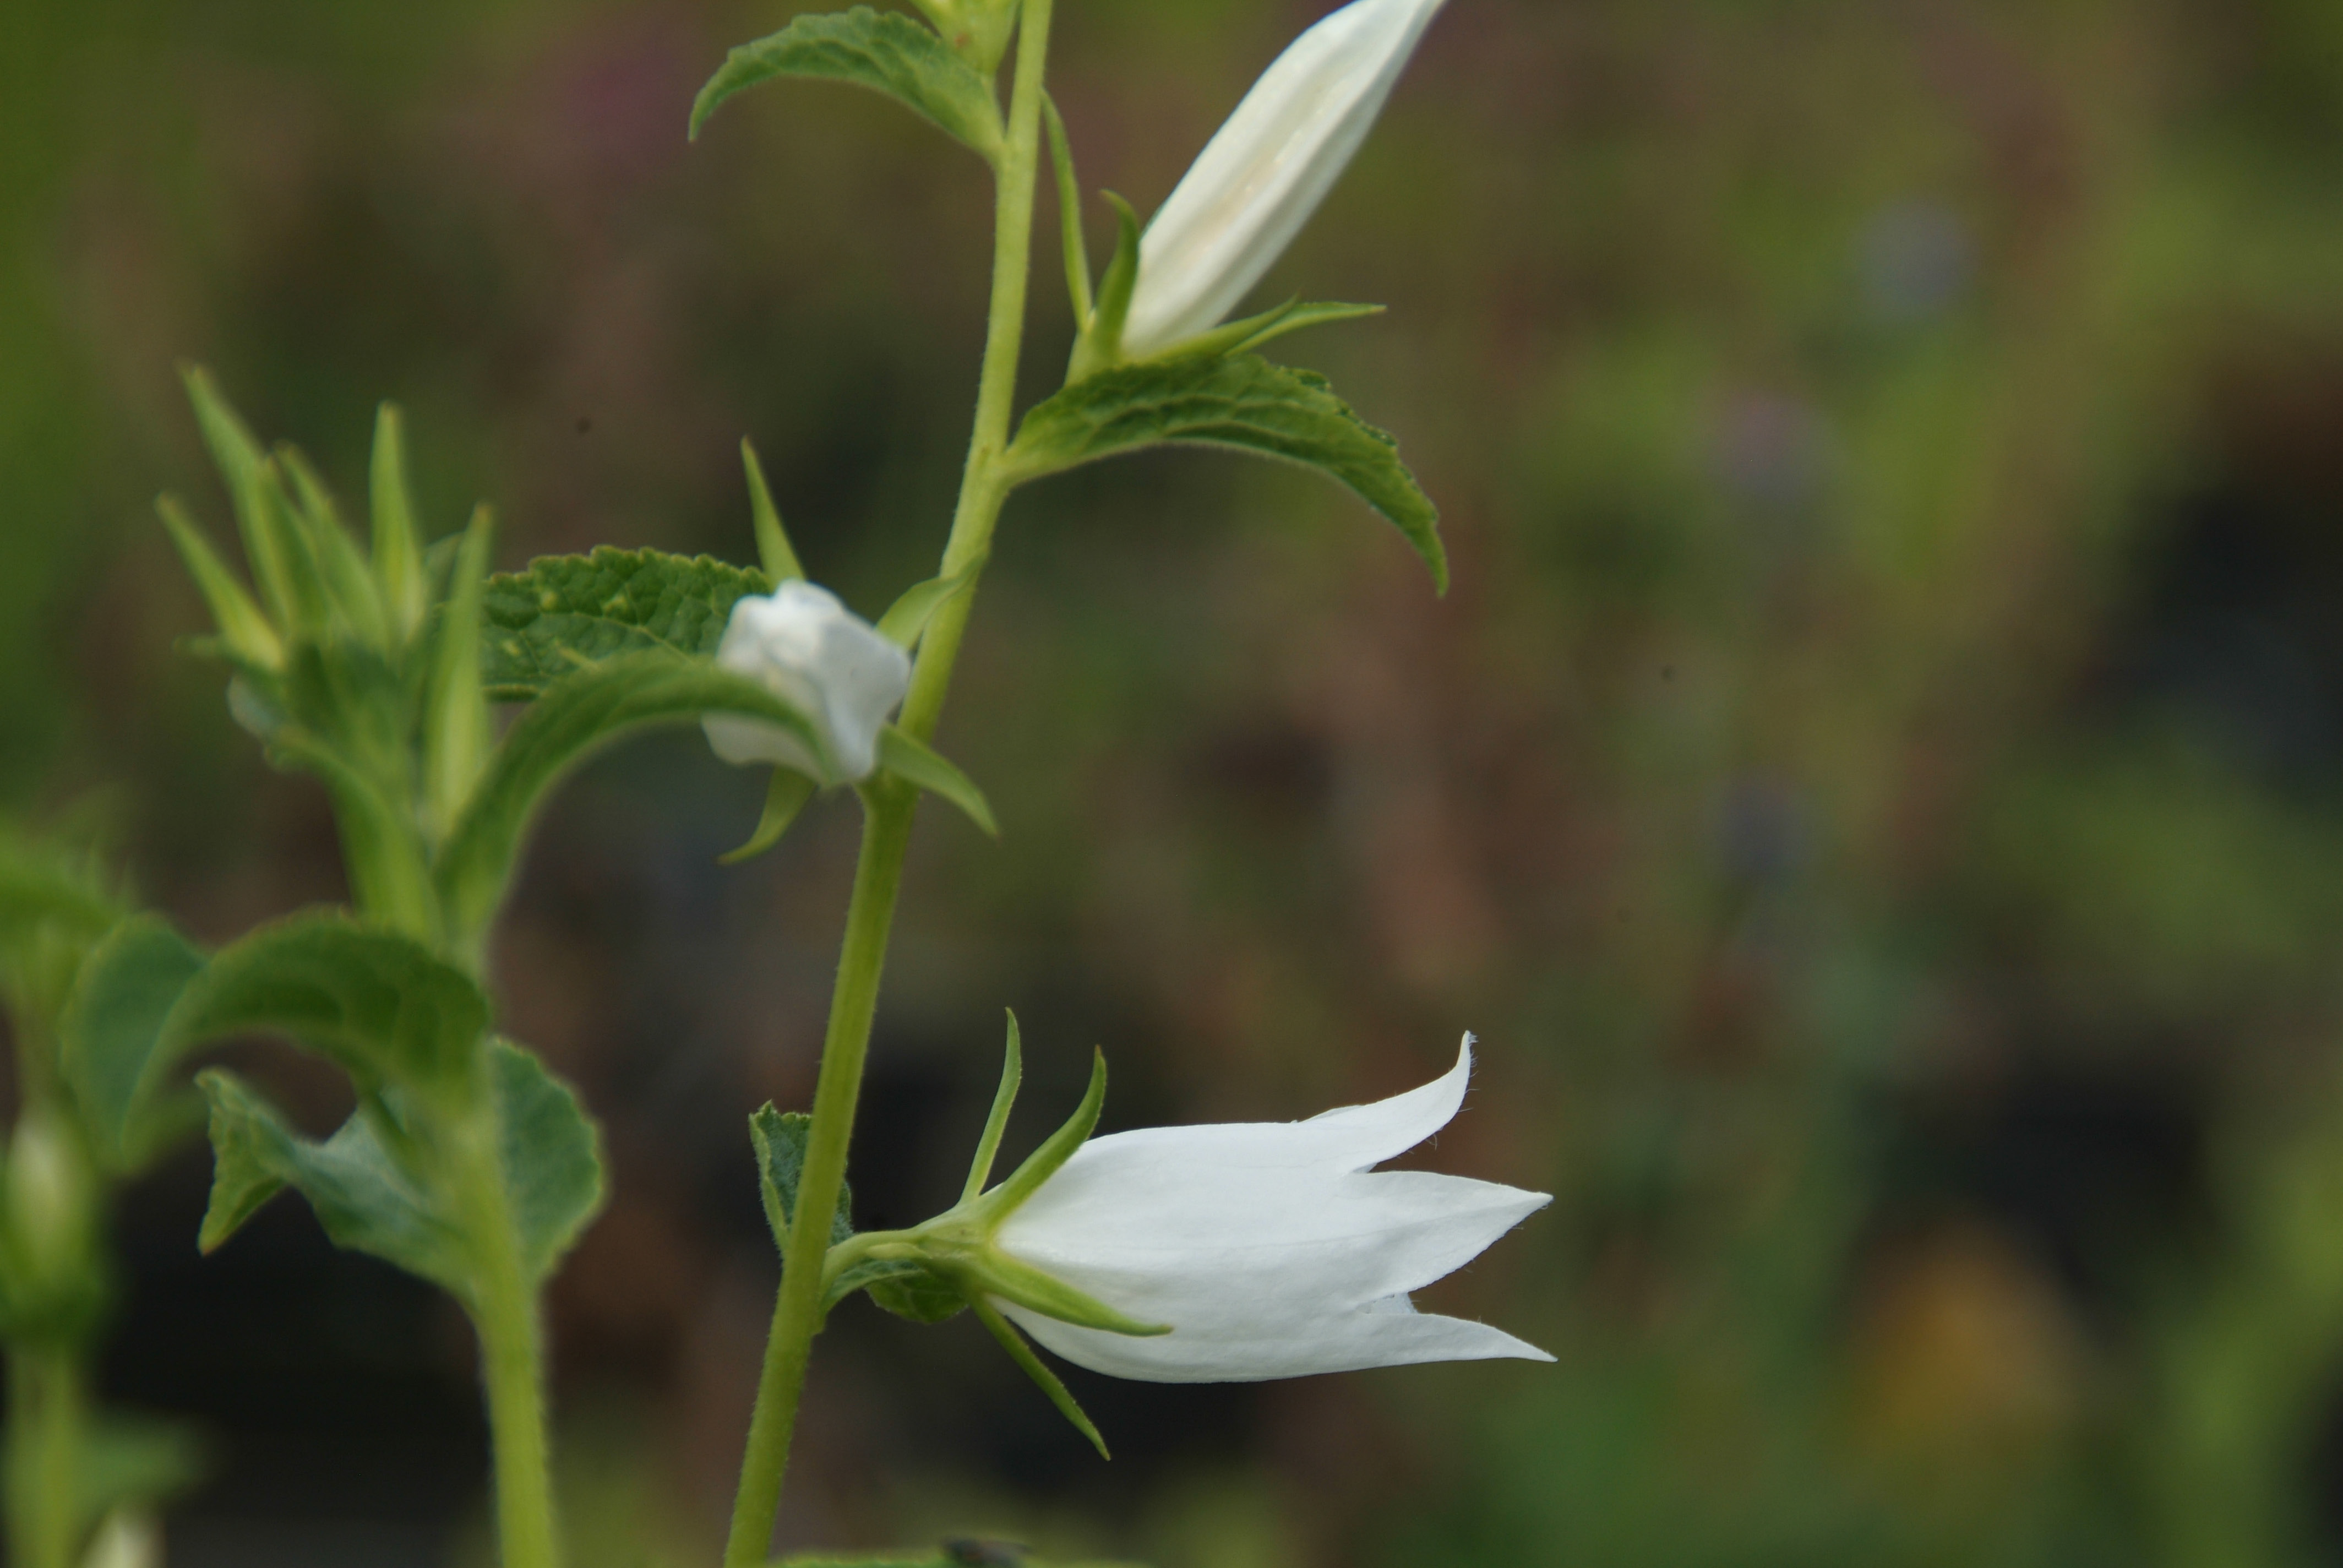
(809,649)
(1261,176)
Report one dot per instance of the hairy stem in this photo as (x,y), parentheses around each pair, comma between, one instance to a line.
(512,1363)
(46,1407)
(887,830)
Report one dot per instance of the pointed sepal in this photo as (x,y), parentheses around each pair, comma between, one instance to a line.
(1048,1382)
(915,763)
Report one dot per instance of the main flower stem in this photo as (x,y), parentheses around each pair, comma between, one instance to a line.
(887,829)
(47,1404)
(504,1312)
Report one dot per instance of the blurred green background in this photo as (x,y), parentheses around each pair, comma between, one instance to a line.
(1874,790)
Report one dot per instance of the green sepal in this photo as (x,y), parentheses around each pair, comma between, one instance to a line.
(996,1121)
(909,616)
(1048,1382)
(282,562)
(552,1156)
(457,735)
(885,51)
(773,549)
(914,763)
(1070,216)
(397,540)
(1241,336)
(360,1192)
(108,1037)
(994,1272)
(908,1290)
(377,1003)
(780,1138)
(243,629)
(1241,401)
(572,718)
(785,798)
(1056,1149)
(566,613)
(1100,345)
(349,584)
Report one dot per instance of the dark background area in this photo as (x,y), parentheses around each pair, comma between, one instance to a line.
(1874,789)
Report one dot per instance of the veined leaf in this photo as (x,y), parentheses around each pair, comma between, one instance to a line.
(379,1003)
(572,718)
(1242,401)
(885,51)
(111,1030)
(781,1136)
(567,612)
(365,1200)
(552,1157)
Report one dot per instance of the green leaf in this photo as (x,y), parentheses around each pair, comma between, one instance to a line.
(242,626)
(110,1032)
(379,1003)
(572,718)
(1044,1378)
(360,1195)
(885,51)
(909,616)
(1244,402)
(781,1136)
(779,561)
(565,613)
(552,1157)
(914,763)
(397,542)
(785,797)
(456,732)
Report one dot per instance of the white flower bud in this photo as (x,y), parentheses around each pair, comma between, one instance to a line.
(1269,1247)
(816,655)
(1265,172)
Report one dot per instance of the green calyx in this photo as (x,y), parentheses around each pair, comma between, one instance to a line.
(953,1262)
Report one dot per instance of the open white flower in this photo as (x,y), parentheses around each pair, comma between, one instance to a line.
(822,659)
(1267,169)
(1268,1247)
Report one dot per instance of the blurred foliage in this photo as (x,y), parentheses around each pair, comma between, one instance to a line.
(1874,787)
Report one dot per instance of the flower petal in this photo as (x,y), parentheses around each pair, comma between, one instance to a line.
(1375,1335)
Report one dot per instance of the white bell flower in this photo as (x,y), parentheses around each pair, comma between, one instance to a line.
(809,649)
(1269,1249)
(1267,169)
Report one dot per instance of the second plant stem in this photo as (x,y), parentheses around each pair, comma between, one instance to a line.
(46,1407)
(504,1310)
(887,829)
